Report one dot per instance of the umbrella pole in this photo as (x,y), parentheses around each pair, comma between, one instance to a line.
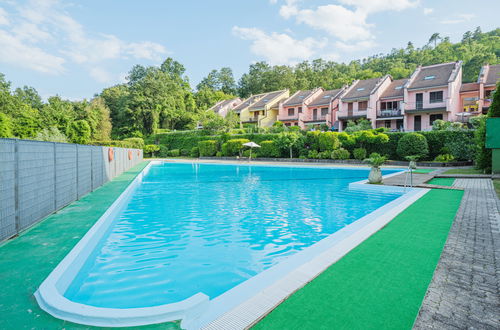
(250,155)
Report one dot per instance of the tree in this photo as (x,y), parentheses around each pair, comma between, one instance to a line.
(360,125)
(494,110)
(51,134)
(435,37)
(5,126)
(288,140)
(79,132)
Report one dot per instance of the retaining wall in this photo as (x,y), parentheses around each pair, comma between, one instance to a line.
(38,178)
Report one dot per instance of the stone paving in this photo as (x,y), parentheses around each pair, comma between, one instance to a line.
(465,290)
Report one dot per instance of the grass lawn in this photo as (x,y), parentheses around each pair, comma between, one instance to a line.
(382,282)
(463,171)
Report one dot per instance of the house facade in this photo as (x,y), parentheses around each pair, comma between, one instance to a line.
(261,110)
(293,110)
(487,80)
(222,107)
(323,109)
(432,93)
(360,100)
(390,106)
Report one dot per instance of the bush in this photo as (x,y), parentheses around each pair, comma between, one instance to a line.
(325,155)
(482,157)
(174,153)
(150,149)
(185,152)
(268,149)
(313,154)
(51,134)
(359,153)
(5,126)
(218,154)
(413,144)
(328,141)
(312,140)
(233,147)
(341,154)
(79,132)
(460,150)
(347,141)
(444,158)
(163,152)
(195,152)
(135,142)
(207,148)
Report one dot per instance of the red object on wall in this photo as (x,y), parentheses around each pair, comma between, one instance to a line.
(130,154)
(111,154)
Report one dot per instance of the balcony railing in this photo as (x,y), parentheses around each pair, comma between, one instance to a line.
(389,113)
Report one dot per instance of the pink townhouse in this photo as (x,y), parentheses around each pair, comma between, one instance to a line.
(293,110)
(323,109)
(432,92)
(360,100)
(390,105)
(488,77)
(222,107)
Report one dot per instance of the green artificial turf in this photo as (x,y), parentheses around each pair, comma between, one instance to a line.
(382,282)
(442,181)
(423,170)
(27,260)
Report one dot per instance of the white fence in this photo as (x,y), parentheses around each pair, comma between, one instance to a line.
(38,178)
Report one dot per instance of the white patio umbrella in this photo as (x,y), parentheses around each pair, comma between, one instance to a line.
(252,145)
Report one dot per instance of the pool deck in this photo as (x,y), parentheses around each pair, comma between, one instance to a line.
(464,291)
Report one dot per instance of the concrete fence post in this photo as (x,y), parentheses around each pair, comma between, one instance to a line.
(55,176)
(16,186)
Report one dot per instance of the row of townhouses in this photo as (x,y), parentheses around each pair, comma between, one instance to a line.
(412,104)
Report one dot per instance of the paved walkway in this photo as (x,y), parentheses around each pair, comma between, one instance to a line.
(465,290)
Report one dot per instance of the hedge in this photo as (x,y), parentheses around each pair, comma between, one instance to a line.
(268,149)
(233,147)
(207,148)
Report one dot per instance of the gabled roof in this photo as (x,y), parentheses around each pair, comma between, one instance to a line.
(221,104)
(264,100)
(249,101)
(298,98)
(493,75)
(435,75)
(395,89)
(325,97)
(363,88)
(470,87)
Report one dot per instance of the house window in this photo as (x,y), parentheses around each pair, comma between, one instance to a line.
(349,106)
(391,105)
(300,109)
(324,111)
(362,105)
(399,124)
(387,124)
(435,97)
(433,118)
(291,111)
(429,77)
(488,94)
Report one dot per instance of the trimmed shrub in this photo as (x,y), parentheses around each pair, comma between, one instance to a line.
(341,154)
(347,141)
(135,142)
(483,156)
(313,154)
(413,144)
(185,152)
(195,152)
(218,154)
(150,149)
(207,148)
(233,147)
(328,141)
(268,149)
(174,153)
(444,158)
(312,140)
(359,153)
(460,150)
(163,152)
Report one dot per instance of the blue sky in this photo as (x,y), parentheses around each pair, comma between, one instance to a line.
(75,49)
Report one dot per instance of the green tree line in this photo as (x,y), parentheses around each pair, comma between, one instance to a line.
(156,98)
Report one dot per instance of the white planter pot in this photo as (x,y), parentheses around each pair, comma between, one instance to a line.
(375,175)
(413,165)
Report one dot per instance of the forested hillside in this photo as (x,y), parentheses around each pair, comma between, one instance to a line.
(161,97)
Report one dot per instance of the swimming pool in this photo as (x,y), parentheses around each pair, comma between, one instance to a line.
(185,234)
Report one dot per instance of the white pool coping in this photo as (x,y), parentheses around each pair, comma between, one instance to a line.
(237,308)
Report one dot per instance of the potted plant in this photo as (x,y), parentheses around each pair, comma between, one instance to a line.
(413,161)
(375,162)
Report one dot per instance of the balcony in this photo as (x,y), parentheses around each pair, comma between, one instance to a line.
(389,113)
(251,120)
(287,118)
(351,115)
(316,119)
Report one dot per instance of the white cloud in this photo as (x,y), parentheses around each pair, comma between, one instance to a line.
(373,6)
(14,51)
(337,21)
(458,19)
(355,46)
(4,20)
(47,23)
(101,75)
(279,48)
(428,11)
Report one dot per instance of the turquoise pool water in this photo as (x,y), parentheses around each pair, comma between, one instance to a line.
(192,228)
